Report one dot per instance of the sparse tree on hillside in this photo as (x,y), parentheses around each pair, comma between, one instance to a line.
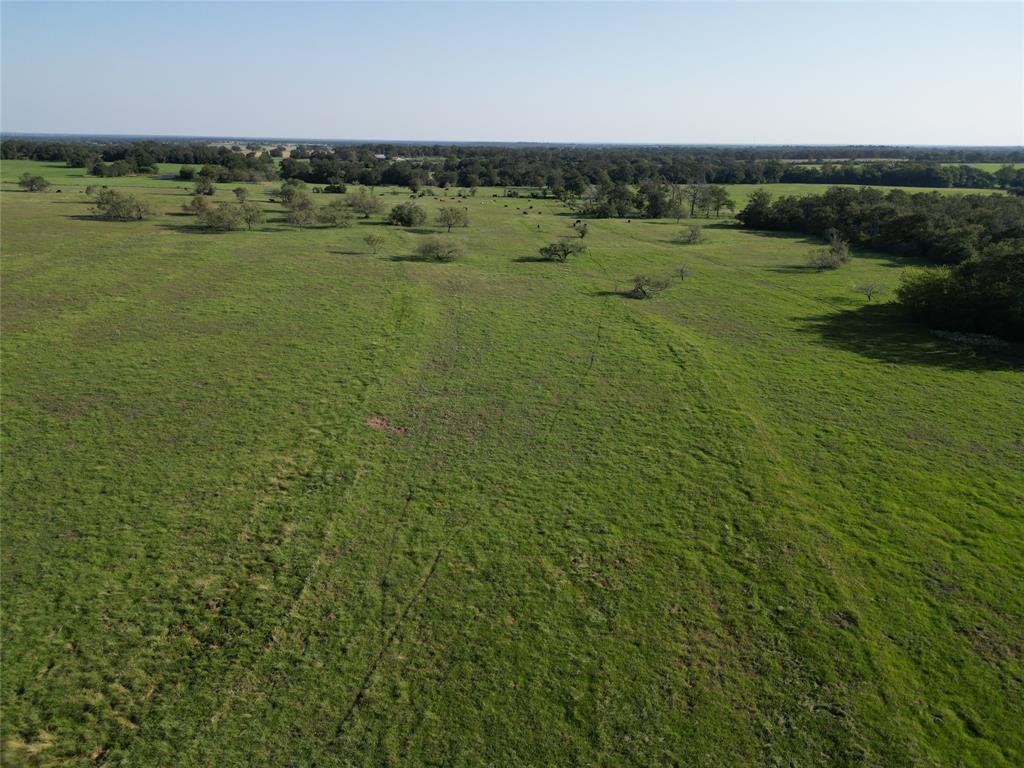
(222,217)
(374,241)
(562,249)
(204,186)
(335,214)
(112,205)
(440,249)
(252,215)
(366,203)
(240,194)
(408,215)
(31,183)
(870,290)
(196,204)
(450,217)
(692,235)
(645,286)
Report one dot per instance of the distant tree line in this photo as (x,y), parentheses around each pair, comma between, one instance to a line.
(560,170)
(977,239)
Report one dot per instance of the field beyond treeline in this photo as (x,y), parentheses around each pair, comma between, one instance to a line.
(279,497)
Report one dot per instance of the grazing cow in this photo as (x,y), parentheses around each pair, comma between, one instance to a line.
(577,223)
(629,221)
(58,191)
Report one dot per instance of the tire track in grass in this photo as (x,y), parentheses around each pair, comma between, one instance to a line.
(235,670)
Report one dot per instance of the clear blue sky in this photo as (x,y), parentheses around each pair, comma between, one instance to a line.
(767,72)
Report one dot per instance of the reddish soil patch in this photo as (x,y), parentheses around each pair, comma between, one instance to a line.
(381,423)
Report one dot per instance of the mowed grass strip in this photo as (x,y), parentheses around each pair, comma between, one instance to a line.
(271,499)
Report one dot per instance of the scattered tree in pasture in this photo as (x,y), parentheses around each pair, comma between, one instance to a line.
(408,215)
(31,183)
(870,290)
(374,241)
(252,215)
(204,186)
(562,249)
(450,216)
(582,229)
(683,271)
(222,217)
(240,194)
(718,198)
(186,173)
(112,205)
(301,216)
(692,235)
(440,249)
(196,204)
(335,214)
(294,194)
(365,203)
(834,255)
(645,286)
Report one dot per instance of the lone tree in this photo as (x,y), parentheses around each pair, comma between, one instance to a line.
(692,235)
(301,216)
(562,249)
(293,194)
(375,241)
(683,271)
(204,186)
(440,249)
(832,256)
(240,194)
(252,215)
(366,203)
(870,290)
(196,204)
(408,215)
(645,286)
(582,229)
(112,205)
(31,183)
(335,214)
(453,217)
(222,217)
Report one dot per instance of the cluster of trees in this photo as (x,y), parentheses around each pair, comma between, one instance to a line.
(654,199)
(906,174)
(559,170)
(978,240)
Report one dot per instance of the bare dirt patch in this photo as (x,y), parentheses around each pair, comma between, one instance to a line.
(381,423)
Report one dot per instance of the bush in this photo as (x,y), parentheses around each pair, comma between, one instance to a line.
(31,183)
(301,217)
(252,215)
(692,235)
(196,204)
(204,186)
(375,241)
(644,286)
(366,204)
(833,256)
(561,250)
(440,249)
(407,215)
(335,214)
(240,194)
(112,205)
(186,173)
(222,217)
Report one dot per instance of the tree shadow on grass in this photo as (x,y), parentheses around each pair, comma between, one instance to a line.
(881,332)
(347,253)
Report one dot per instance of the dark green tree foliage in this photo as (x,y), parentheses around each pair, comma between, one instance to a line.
(440,249)
(408,214)
(562,249)
(222,217)
(112,205)
(983,294)
(942,228)
(204,186)
(32,183)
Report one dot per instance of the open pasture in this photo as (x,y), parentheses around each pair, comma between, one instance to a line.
(272,499)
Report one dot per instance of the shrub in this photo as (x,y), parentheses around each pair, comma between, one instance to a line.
(196,204)
(645,286)
(562,249)
(375,241)
(112,205)
(31,183)
(222,217)
(365,203)
(407,215)
(301,217)
(240,194)
(440,249)
(834,255)
(335,214)
(186,173)
(692,235)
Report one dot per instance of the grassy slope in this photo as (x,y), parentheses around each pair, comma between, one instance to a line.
(751,521)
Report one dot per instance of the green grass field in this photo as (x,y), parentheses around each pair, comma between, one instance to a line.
(272,500)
